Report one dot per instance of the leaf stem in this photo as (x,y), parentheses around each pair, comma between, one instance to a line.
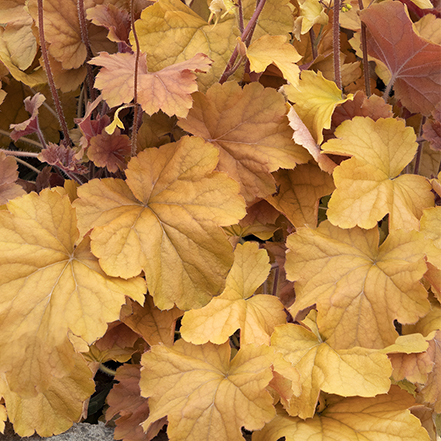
(85,39)
(17,153)
(388,89)
(241,25)
(135,81)
(31,167)
(313,46)
(30,141)
(246,38)
(50,78)
(336,44)
(107,370)
(367,84)
(419,152)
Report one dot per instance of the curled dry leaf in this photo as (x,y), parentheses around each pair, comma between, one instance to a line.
(61,157)
(30,125)
(8,175)
(114,19)
(432,129)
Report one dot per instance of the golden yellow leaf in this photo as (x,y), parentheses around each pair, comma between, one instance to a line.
(33,78)
(170,32)
(368,185)
(50,406)
(276,18)
(154,325)
(359,288)
(274,49)
(286,380)
(50,283)
(382,418)
(314,99)
(237,307)
(299,193)
(311,12)
(431,227)
(158,129)
(347,372)
(165,219)
(413,363)
(429,27)
(3,418)
(251,131)
(169,89)
(20,41)
(205,396)
(429,323)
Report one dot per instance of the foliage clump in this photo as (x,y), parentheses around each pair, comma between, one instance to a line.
(233,208)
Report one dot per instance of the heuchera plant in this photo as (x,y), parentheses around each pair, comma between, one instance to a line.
(265,174)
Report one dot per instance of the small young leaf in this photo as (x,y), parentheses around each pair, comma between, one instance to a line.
(237,308)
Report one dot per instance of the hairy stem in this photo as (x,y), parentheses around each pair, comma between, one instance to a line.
(245,37)
(241,25)
(367,84)
(16,153)
(388,89)
(135,81)
(313,46)
(29,166)
(336,44)
(29,141)
(86,42)
(50,78)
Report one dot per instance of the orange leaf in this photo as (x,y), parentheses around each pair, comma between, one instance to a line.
(415,63)
(250,129)
(109,151)
(125,400)
(299,193)
(168,89)
(154,325)
(8,175)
